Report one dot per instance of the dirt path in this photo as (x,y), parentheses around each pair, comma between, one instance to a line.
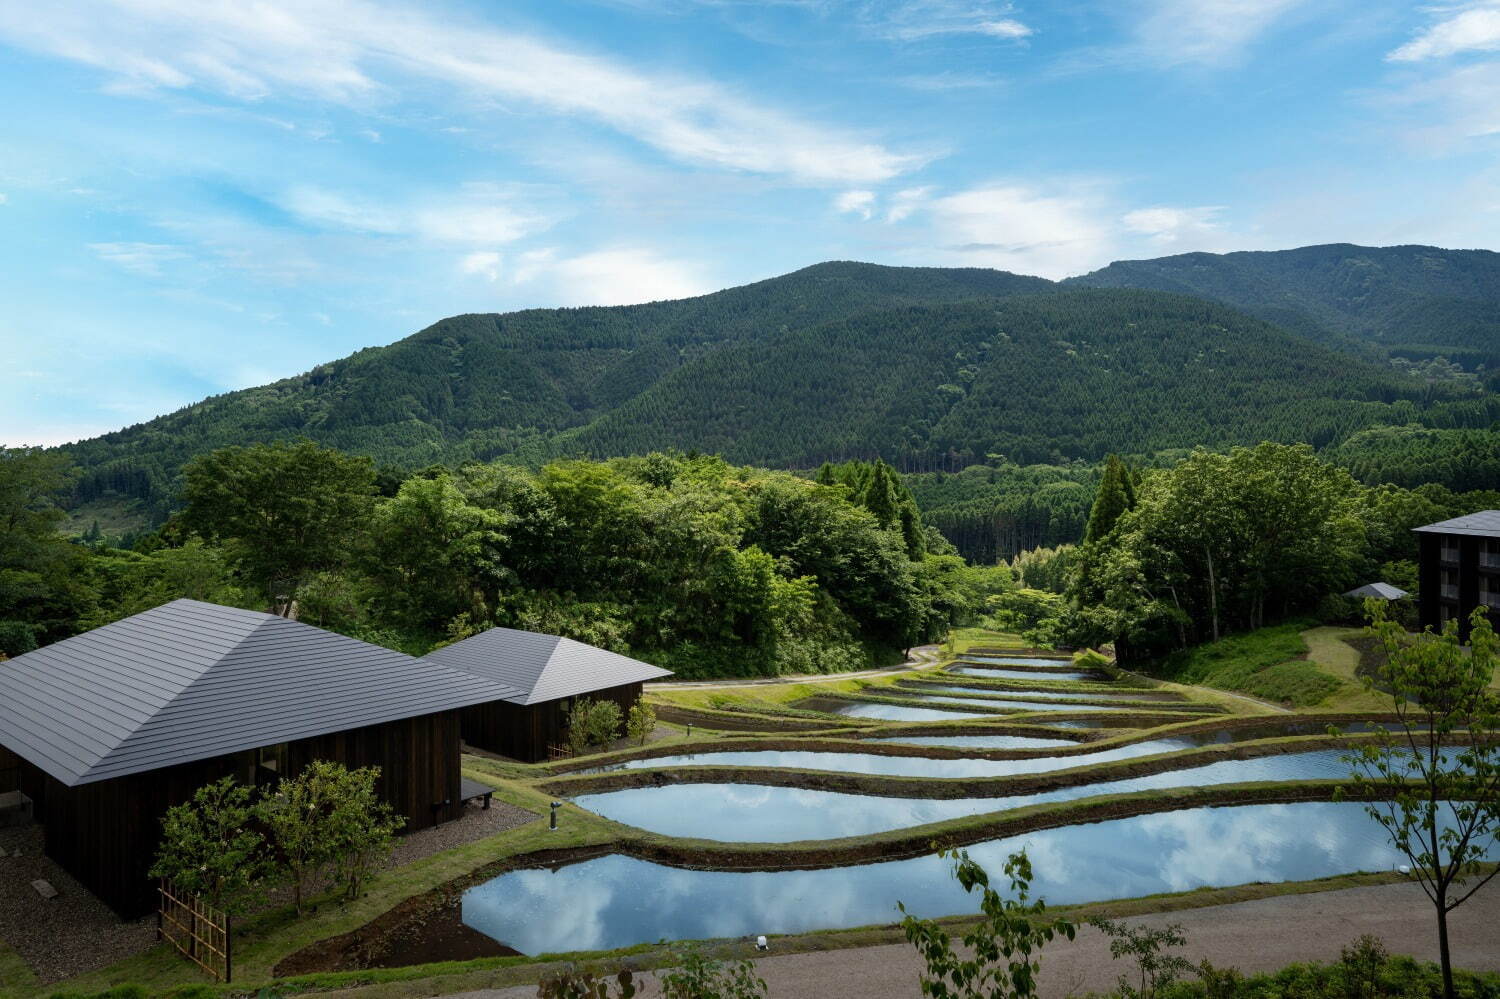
(1253,936)
(922,655)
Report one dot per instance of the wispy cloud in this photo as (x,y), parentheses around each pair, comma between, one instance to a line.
(1018,227)
(905,202)
(616,276)
(1167,226)
(915,20)
(477,215)
(1473,28)
(482,263)
(139,258)
(861,203)
(360,54)
(1459,104)
(1205,32)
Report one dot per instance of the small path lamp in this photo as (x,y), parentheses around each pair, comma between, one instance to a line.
(555,806)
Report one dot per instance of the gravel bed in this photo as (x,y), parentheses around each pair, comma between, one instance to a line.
(63,936)
(75,933)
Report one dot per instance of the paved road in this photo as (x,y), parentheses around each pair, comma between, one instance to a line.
(1253,936)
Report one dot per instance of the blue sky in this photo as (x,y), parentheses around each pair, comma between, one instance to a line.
(201,195)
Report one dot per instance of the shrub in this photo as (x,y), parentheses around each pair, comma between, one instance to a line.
(1147,946)
(592,723)
(16,638)
(698,976)
(211,846)
(641,722)
(578,984)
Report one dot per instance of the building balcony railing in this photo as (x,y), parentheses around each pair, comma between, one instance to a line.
(1449,592)
(1449,556)
(1490,599)
(1489,561)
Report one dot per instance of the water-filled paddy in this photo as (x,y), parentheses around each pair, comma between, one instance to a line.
(977,741)
(1018,703)
(1019,661)
(1018,674)
(754,813)
(928,690)
(900,712)
(1188,739)
(617,901)
(903,766)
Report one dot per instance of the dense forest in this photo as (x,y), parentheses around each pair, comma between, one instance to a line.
(934,370)
(702,566)
(1404,302)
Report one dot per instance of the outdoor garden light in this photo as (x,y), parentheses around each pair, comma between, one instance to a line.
(555,806)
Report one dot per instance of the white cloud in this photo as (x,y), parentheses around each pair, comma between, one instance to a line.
(138,258)
(618,276)
(914,20)
(905,202)
(861,203)
(482,263)
(4,198)
(1206,32)
(1166,225)
(1461,104)
(477,215)
(1020,228)
(1476,29)
(360,54)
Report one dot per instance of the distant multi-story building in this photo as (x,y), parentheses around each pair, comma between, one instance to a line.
(1459,570)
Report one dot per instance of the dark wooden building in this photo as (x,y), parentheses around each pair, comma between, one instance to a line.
(548,674)
(113,727)
(1459,570)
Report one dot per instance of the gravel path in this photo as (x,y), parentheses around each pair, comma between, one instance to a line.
(1262,935)
(75,932)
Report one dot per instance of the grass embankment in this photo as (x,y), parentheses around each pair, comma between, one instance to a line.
(961,640)
(898,786)
(1271,663)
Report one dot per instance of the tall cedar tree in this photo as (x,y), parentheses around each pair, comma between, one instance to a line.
(1116,495)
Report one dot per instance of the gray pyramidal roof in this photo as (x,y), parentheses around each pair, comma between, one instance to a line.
(1384,591)
(546,667)
(189,681)
(1485,524)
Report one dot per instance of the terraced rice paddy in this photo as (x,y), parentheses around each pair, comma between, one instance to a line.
(751,813)
(617,901)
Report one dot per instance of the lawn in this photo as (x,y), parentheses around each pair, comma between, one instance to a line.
(1271,663)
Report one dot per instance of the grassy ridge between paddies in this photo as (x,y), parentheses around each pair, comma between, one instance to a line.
(892,786)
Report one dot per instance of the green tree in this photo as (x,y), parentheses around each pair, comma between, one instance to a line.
(1003,943)
(283,510)
(362,828)
(435,555)
(211,847)
(42,577)
(302,825)
(1439,803)
(591,723)
(1115,496)
(696,975)
(641,721)
(1146,946)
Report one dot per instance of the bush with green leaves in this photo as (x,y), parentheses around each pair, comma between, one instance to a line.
(641,721)
(364,829)
(696,975)
(212,846)
(1147,946)
(16,638)
(1003,942)
(574,983)
(1397,977)
(591,723)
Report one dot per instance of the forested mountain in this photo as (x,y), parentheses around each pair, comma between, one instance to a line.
(932,369)
(482,386)
(1414,302)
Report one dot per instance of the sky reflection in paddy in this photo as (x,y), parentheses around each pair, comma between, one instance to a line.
(1016,674)
(616,901)
(927,690)
(753,813)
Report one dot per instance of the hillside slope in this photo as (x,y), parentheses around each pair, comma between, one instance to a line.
(1405,301)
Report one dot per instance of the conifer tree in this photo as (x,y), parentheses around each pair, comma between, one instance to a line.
(1115,496)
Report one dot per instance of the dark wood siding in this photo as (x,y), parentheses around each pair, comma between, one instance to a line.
(527,733)
(105,834)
